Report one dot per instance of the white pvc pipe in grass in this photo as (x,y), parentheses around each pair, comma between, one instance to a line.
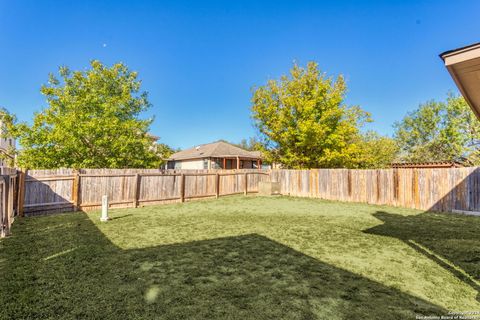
(104,216)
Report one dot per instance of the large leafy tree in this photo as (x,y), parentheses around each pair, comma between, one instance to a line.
(440,131)
(303,120)
(92,121)
(375,151)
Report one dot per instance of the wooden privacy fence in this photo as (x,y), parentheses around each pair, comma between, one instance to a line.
(67,189)
(8,199)
(445,189)
(41,191)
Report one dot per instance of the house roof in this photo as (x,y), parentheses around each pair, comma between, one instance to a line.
(218,149)
(463,64)
(433,164)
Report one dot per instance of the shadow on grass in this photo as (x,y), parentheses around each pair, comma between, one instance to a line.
(64,267)
(452,241)
(121,217)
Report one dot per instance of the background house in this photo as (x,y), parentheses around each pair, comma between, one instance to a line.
(216,155)
(7,146)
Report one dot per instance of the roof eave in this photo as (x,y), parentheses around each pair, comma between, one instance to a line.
(453,60)
(457,51)
(216,156)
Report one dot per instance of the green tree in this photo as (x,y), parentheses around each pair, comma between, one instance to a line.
(375,151)
(163,151)
(92,121)
(303,121)
(250,144)
(439,131)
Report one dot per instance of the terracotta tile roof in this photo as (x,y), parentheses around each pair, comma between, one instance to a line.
(219,149)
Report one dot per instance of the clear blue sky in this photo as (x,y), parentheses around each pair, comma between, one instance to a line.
(199,59)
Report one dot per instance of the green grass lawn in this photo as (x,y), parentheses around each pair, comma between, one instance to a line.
(241,258)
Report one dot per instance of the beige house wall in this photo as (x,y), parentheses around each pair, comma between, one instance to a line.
(6,145)
(196,164)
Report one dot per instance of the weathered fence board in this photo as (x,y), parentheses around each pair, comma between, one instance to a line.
(443,189)
(427,189)
(157,187)
(66,190)
(8,199)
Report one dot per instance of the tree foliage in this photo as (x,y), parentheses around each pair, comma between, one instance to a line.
(375,151)
(250,144)
(439,131)
(92,121)
(304,122)
(164,151)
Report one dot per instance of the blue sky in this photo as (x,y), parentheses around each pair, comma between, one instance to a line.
(199,59)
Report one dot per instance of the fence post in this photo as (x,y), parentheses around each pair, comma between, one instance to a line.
(217,185)
(5,223)
(246,184)
(136,190)
(76,190)
(379,182)
(14,181)
(11,199)
(416,197)
(182,188)
(21,191)
(2,208)
(349,184)
(6,203)
(396,186)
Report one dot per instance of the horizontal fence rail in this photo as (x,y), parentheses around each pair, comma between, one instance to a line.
(48,191)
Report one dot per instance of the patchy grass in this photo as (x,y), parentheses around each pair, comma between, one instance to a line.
(241,258)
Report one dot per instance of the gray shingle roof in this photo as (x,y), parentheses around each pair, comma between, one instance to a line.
(219,149)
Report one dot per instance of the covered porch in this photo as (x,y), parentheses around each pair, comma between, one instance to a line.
(229,163)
